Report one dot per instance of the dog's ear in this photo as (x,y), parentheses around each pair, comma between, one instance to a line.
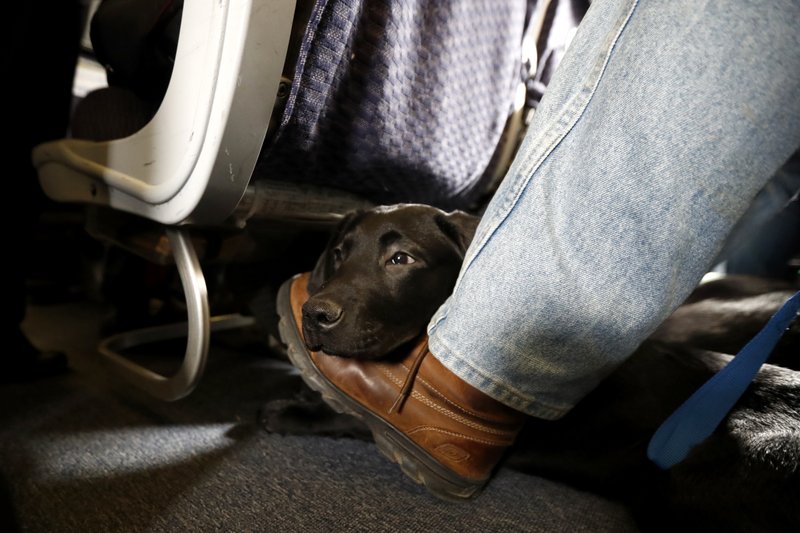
(459,227)
(324,268)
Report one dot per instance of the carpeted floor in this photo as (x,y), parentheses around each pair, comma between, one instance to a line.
(84,453)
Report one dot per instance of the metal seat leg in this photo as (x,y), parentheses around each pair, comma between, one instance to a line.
(197,331)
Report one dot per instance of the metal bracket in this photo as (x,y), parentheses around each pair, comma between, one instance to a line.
(197,331)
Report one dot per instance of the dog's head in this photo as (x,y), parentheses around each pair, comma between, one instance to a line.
(382,276)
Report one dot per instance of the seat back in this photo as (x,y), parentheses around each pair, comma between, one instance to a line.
(402,101)
(192,162)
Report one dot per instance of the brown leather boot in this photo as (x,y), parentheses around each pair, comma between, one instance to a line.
(444,433)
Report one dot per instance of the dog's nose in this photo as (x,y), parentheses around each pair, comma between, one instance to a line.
(323,313)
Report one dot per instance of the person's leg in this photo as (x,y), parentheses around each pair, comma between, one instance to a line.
(41,64)
(662,123)
(768,235)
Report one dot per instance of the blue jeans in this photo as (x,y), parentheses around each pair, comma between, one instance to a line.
(662,123)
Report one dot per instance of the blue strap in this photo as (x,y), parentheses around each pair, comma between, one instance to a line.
(700,415)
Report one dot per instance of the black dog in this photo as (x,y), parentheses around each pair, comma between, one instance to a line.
(381,278)
(385,272)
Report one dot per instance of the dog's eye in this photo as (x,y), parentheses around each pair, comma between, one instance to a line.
(337,255)
(401,258)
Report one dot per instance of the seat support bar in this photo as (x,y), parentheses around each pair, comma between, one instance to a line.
(197,331)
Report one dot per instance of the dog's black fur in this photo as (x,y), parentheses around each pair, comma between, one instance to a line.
(382,277)
(386,271)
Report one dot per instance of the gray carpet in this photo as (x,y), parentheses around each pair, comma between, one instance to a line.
(84,453)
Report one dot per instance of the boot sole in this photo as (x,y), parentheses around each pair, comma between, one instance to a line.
(414,461)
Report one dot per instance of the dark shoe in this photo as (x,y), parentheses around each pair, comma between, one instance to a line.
(442,432)
(23,362)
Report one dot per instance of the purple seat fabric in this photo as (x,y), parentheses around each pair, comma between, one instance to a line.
(400,100)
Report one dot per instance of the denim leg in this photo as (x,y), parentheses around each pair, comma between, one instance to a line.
(768,234)
(661,124)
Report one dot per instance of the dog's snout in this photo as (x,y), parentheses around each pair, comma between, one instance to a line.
(323,313)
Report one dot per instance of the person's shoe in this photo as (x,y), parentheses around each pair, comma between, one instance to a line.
(24,362)
(443,432)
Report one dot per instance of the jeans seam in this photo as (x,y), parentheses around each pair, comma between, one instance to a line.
(552,135)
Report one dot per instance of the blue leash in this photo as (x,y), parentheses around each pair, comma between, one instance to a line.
(700,415)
